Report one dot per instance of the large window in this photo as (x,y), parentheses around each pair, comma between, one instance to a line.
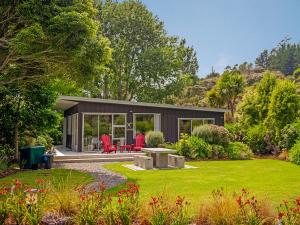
(146,122)
(187,125)
(91,132)
(95,125)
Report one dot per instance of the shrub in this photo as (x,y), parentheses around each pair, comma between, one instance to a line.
(44,140)
(219,152)
(255,139)
(288,137)
(294,154)
(235,131)
(238,150)
(182,146)
(212,134)
(289,212)
(165,211)
(63,199)
(198,147)
(154,138)
(24,205)
(234,209)
(7,154)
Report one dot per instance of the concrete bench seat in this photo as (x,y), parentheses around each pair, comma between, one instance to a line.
(176,161)
(144,162)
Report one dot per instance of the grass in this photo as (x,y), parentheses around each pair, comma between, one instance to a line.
(71,178)
(271,179)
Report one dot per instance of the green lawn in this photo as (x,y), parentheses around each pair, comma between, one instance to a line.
(71,178)
(273,179)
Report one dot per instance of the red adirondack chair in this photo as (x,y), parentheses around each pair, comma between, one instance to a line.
(106,144)
(139,143)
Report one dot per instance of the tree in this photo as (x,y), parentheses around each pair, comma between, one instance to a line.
(254,107)
(284,106)
(147,64)
(227,90)
(264,90)
(263,60)
(39,39)
(26,110)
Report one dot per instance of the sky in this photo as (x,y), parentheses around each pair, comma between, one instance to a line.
(228,32)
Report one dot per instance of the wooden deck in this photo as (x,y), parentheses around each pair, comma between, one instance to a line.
(64,155)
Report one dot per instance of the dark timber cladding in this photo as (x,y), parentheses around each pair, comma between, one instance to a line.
(168,116)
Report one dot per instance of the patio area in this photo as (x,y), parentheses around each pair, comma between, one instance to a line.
(65,155)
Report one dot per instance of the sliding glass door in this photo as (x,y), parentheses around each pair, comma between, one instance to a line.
(96,125)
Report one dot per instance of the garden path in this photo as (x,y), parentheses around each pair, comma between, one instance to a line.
(102,175)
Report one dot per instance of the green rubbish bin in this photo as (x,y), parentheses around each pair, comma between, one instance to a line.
(32,156)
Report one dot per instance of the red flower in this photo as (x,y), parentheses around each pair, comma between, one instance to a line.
(298,201)
(239,200)
(40,181)
(3,192)
(82,197)
(17,183)
(154,200)
(42,190)
(120,201)
(280,215)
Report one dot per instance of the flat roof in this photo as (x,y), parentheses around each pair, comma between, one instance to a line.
(66,102)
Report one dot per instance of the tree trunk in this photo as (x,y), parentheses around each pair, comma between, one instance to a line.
(105,91)
(16,140)
(16,134)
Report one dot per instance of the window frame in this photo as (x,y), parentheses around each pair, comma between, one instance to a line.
(112,124)
(191,126)
(155,128)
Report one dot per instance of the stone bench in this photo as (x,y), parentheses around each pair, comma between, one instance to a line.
(144,162)
(176,161)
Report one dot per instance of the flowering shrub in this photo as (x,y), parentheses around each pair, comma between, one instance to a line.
(251,211)
(289,212)
(128,204)
(212,134)
(91,206)
(97,207)
(165,212)
(24,205)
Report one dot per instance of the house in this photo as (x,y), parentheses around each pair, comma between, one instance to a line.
(86,119)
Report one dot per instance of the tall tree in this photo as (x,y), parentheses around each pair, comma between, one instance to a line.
(263,60)
(227,90)
(147,64)
(39,39)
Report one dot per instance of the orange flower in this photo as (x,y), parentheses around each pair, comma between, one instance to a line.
(40,181)
(280,215)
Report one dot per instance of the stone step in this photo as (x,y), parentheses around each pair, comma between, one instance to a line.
(99,159)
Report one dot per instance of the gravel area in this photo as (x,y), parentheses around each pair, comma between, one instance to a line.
(102,175)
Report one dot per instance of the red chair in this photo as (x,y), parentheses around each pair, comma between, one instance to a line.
(106,144)
(139,143)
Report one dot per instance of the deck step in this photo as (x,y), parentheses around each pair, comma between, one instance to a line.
(91,156)
(76,160)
